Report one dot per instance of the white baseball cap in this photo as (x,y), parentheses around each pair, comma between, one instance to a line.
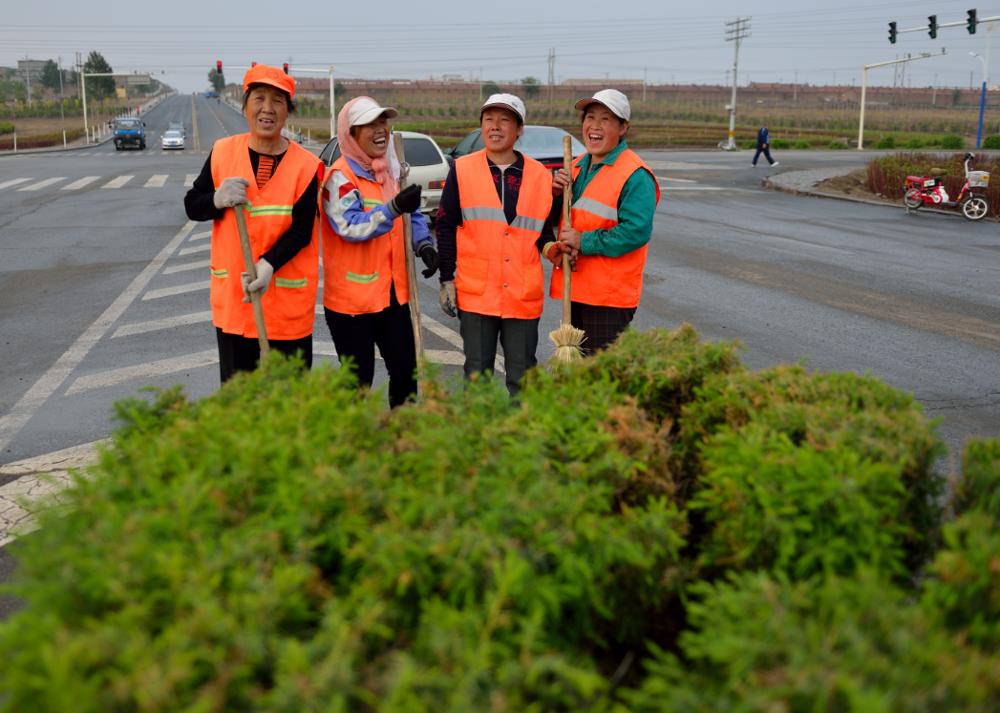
(504,101)
(365,110)
(614,100)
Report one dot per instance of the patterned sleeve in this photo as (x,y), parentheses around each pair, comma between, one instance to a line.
(345,210)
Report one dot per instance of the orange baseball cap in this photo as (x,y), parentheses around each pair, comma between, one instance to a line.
(273,76)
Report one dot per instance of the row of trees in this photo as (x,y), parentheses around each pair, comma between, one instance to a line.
(13,88)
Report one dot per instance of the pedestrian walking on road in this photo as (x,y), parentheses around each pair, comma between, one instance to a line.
(615,195)
(492,223)
(276,183)
(366,290)
(764,146)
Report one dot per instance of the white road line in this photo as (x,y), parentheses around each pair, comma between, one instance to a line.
(176,290)
(150,369)
(671,179)
(676,189)
(204,248)
(155,325)
(200,236)
(156,181)
(12,422)
(196,265)
(189,179)
(118,182)
(446,333)
(43,184)
(78,184)
(14,182)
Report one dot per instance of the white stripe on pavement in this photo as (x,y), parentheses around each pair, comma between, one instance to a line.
(155,325)
(14,182)
(196,265)
(176,290)
(80,183)
(189,179)
(118,182)
(43,184)
(12,422)
(195,249)
(200,236)
(675,180)
(156,181)
(675,189)
(148,370)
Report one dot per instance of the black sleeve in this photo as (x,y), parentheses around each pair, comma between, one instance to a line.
(299,233)
(199,200)
(449,217)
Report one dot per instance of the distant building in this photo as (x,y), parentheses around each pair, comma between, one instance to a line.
(32,67)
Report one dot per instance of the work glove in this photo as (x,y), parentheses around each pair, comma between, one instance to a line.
(447,299)
(406,201)
(264,274)
(429,255)
(232,192)
(553,252)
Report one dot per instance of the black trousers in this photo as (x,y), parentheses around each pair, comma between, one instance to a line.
(602,325)
(237,353)
(766,150)
(356,335)
(519,338)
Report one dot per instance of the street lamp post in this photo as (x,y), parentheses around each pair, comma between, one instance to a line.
(982,92)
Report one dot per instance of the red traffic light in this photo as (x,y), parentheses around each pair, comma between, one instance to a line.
(285,66)
(253,64)
(218,66)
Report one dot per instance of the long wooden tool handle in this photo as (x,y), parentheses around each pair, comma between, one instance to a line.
(248,264)
(567,200)
(411,264)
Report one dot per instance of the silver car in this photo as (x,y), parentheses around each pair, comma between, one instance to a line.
(172,139)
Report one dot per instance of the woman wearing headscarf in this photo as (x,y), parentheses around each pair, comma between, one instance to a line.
(366,291)
(276,182)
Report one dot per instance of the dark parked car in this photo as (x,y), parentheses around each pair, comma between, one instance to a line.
(542,143)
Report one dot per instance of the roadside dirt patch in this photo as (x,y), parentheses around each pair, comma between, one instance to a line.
(854,183)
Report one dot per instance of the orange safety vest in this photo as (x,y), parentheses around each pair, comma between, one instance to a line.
(357,275)
(289,304)
(599,280)
(498,271)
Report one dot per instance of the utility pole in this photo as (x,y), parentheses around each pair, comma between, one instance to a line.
(552,73)
(27,78)
(62,97)
(736,31)
(864,86)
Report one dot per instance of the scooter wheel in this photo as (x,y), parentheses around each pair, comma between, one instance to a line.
(975,208)
(912,199)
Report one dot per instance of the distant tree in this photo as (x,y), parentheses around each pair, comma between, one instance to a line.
(490,88)
(98,87)
(50,75)
(217,79)
(531,87)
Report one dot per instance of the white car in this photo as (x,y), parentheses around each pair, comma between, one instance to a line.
(428,167)
(172,139)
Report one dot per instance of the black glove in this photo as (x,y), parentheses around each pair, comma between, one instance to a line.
(406,201)
(430,257)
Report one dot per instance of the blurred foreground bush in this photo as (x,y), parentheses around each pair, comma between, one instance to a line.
(651,529)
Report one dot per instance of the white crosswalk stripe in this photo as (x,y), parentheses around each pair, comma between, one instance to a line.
(184,267)
(80,183)
(189,179)
(195,249)
(14,182)
(200,236)
(155,325)
(43,184)
(156,181)
(175,290)
(118,182)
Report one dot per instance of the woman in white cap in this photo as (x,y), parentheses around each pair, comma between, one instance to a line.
(366,291)
(491,226)
(614,198)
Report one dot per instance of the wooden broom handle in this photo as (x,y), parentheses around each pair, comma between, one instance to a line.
(411,265)
(567,200)
(248,264)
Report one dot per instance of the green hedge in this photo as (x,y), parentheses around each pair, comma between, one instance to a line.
(654,528)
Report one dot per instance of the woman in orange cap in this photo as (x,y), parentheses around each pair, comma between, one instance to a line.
(276,182)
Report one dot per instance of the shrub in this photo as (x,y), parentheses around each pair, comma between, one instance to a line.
(979,487)
(886,142)
(802,144)
(952,142)
(779,144)
(991,142)
(914,143)
(6,127)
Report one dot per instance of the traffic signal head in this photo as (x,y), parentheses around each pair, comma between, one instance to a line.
(285,67)
(218,66)
(253,64)
(932,26)
(970,23)
(892,33)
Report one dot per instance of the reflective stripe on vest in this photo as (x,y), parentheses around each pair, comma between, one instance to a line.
(599,280)
(498,271)
(357,276)
(290,306)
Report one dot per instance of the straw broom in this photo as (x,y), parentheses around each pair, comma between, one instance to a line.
(567,338)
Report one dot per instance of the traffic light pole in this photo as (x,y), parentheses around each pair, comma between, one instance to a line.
(864,86)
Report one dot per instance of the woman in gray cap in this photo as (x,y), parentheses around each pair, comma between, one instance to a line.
(614,197)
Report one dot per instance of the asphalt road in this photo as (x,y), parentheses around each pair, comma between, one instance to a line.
(103,286)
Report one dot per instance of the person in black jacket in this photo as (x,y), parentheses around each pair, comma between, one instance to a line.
(764,146)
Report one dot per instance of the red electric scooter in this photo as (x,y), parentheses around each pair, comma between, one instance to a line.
(930,191)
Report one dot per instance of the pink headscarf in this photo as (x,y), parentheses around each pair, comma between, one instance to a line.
(385,169)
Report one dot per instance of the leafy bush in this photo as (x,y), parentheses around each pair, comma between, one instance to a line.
(802,144)
(914,143)
(6,127)
(991,142)
(979,487)
(779,144)
(287,545)
(886,142)
(952,142)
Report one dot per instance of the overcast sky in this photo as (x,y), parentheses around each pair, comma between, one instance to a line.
(817,43)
